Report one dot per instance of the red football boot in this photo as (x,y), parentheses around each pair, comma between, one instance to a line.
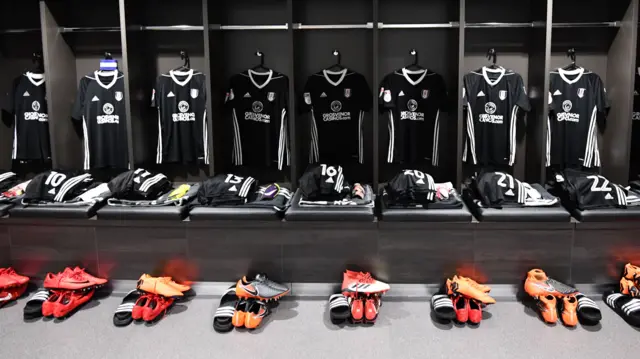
(11,293)
(354,283)
(475,311)
(49,305)
(158,306)
(9,278)
(95,281)
(461,306)
(357,310)
(371,309)
(70,301)
(140,306)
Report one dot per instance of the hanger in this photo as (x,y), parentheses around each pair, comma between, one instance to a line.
(337,66)
(184,55)
(108,65)
(260,67)
(414,66)
(38,66)
(571,53)
(493,56)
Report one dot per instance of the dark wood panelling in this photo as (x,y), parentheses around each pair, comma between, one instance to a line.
(38,249)
(5,247)
(320,255)
(504,256)
(228,254)
(419,256)
(126,253)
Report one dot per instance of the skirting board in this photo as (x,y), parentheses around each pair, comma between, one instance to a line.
(398,292)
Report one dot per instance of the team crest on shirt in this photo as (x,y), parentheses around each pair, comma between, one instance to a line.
(425,94)
(194,93)
(271,96)
(347,93)
(387,95)
(119,96)
(581,92)
(502,95)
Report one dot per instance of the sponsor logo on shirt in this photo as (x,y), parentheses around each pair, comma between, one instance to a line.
(108,116)
(184,115)
(489,117)
(36,116)
(336,115)
(257,114)
(636,116)
(567,115)
(412,115)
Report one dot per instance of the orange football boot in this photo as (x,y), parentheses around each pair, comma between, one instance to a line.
(162,286)
(260,287)
(473,283)
(538,285)
(240,315)
(548,305)
(569,308)
(255,313)
(457,286)
(628,287)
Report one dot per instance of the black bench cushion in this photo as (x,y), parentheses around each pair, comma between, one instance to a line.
(237,213)
(296,213)
(20,211)
(424,215)
(607,214)
(4,209)
(144,213)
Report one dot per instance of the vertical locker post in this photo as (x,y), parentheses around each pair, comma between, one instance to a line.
(208,71)
(127,86)
(461,70)
(620,86)
(59,64)
(375,87)
(293,144)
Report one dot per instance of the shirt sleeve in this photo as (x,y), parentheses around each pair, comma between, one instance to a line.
(602,100)
(443,96)
(365,96)
(522,99)
(78,107)
(305,102)
(10,107)
(155,94)
(385,98)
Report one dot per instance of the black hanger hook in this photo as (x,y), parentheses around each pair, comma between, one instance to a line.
(260,54)
(336,53)
(414,53)
(107,56)
(492,55)
(571,53)
(184,55)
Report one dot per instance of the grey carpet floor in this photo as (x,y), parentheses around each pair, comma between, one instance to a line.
(301,329)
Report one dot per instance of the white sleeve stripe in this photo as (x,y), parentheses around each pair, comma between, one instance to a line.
(237,141)
(14,155)
(392,137)
(159,146)
(205,137)
(589,148)
(436,137)
(314,154)
(280,146)
(87,158)
(360,138)
(514,117)
(471,133)
(68,185)
(548,142)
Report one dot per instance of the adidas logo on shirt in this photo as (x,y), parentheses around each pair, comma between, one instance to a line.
(401,93)
(480,94)
(95,98)
(608,196)
(557,93)
(323,95)
(247,95)
(26,93)
(509,193)
(233,189)
(171,94)
(53,191)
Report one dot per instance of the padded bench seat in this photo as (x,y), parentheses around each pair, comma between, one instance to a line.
(4,209)
(81,212)
(237,213)
(296,213)
(424,215)
(607,214)
(172,213)
(517,214)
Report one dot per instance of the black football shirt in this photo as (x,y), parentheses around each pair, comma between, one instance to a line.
(493,99)
(337,102)
(257,102)
(100,106)
(413,100)
(180,98)
(28,104)
(575,100)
